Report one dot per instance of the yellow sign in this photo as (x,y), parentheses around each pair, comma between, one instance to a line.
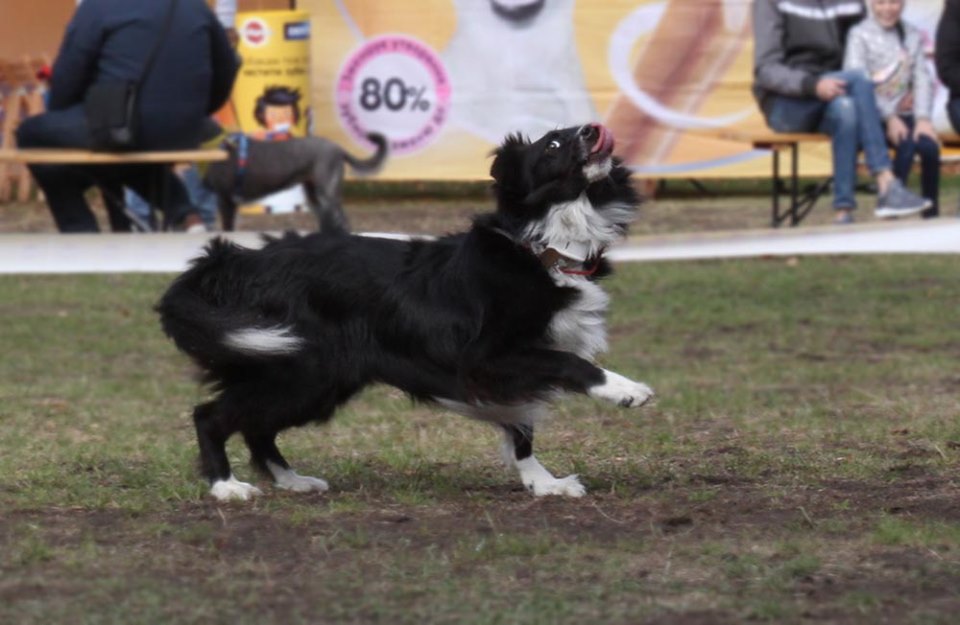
(271,95)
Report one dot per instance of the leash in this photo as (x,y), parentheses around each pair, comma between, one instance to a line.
(241,143)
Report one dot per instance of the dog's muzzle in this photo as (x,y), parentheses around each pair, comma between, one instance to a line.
(598,145)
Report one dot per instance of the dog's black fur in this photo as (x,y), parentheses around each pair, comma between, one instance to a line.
(316,163)
(493,322)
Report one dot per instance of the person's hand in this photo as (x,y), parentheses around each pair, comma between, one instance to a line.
(830,88)
(924,128)
(896,130)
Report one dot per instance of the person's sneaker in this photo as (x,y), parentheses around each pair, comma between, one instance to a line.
(899,201)
(843,218)
(192,224)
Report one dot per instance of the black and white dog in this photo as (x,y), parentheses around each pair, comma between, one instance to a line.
(493,323)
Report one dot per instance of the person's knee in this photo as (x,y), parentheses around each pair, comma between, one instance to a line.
(928,148)
(842,114)
(857,82)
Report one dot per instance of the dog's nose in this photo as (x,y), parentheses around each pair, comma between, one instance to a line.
(590,132)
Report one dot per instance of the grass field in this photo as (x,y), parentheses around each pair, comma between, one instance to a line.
(800,466)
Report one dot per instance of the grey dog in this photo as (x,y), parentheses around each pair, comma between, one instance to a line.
(258,168)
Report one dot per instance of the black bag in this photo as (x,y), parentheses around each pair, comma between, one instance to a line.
(113,116)
(113,108)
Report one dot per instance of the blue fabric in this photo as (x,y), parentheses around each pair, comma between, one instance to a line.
(853,123)
(204,199)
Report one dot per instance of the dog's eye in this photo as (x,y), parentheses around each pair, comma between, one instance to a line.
(553,145)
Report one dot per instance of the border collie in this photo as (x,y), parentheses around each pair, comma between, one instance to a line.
(493,323)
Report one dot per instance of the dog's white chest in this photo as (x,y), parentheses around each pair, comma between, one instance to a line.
(581,328)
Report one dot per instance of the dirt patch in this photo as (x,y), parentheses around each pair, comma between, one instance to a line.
(195,543)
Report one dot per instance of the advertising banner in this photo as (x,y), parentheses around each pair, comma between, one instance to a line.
(271,97)
(446,80)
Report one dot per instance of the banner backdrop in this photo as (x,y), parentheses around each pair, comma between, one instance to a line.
(445,80)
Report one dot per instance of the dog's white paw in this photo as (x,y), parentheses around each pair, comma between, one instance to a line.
(541,482)
(302,483)
(622,391)
(225,490)
(569,486)
(288,479)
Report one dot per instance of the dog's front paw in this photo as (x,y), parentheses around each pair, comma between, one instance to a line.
(225,490)
(569,486)
(622,391)
(302,483)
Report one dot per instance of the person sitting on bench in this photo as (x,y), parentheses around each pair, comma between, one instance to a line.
(191,76)
(891,52)
(799,87)
(947,56)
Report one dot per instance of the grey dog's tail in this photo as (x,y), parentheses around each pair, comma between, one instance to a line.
(374,163)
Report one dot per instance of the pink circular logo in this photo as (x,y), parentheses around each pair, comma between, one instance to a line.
(395,85)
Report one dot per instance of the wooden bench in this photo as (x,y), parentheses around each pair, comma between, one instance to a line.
(801,201)
(60,156)
(51,156)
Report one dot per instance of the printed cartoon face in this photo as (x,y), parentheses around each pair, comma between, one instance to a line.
(279,117)
(887,12)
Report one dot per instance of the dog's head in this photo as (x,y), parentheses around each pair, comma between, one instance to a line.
(564,189)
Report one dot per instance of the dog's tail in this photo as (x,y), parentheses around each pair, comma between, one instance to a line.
(373,164)
(205,317)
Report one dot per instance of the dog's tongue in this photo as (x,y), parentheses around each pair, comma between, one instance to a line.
(604,144)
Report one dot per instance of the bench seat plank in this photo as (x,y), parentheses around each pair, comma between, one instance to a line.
(52,156)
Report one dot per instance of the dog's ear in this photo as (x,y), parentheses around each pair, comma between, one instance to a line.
(507,158)
(508,171)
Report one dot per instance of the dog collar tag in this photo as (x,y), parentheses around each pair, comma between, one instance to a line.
(574,250)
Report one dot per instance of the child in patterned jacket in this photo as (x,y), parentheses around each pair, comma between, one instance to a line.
(891,52)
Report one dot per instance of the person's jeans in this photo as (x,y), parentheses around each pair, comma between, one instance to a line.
(64,186)
(852,121)
(929,152)
(203,198)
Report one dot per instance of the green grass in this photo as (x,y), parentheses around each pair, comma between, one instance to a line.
(800,464)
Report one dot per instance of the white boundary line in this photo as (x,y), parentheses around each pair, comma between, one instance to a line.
(171,253)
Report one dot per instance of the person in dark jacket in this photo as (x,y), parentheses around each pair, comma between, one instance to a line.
(799,86)
(947,57)
(110,41)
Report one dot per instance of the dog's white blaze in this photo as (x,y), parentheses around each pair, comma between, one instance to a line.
(277,340)
(578,226)
(581,328)
(232,488)
(289,479)
(597,171)
(621,390)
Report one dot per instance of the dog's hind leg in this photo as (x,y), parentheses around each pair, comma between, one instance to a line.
(227,208)
(325,201)
(518,451)
(212,435)
(265,456)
